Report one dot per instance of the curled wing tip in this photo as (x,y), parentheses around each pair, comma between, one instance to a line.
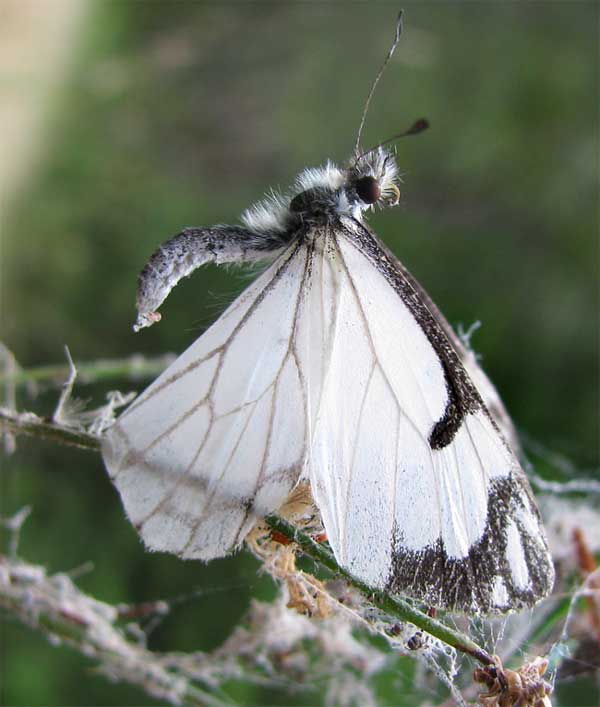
(146,319)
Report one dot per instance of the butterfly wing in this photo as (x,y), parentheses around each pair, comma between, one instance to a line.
(419,492)
(468,358)
(219,438)
(334,364)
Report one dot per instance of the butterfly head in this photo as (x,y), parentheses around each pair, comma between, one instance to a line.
(372,180)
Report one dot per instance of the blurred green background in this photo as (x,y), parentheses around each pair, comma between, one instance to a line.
(171,114)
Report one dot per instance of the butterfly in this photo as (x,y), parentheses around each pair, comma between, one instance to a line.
(333,369)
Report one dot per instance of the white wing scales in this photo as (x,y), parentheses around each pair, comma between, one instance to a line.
(439,524)
(321,370)
(218,439)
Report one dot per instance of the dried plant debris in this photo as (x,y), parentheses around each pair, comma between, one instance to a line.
(514,688)
(321,633)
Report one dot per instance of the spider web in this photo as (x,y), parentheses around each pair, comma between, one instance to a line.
(321,639)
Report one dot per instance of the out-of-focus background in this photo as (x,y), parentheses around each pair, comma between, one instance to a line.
(122,122)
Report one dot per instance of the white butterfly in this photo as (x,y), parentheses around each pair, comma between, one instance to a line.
(333,368)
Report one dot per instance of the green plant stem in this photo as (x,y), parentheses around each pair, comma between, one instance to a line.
(34,426)
(134,367)
(392,606)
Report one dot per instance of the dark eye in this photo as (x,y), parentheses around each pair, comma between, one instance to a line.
(368,190)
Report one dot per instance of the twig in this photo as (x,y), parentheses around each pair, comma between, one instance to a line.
(10,368)
(563,465)
(134,367)
(590,572)
(392,606)
(581,486)
(14,525)
(64,614)
(65,393)
(27,423)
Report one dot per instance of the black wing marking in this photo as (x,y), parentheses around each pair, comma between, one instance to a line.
(463,397)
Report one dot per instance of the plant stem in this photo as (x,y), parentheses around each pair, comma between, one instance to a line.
(392,606)
(134,367)
(63,613)
(34,426)
(31,425)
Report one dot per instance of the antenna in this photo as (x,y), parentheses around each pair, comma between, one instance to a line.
(379,75)
(417,127)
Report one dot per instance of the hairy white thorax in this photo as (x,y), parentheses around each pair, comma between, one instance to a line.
(336,189)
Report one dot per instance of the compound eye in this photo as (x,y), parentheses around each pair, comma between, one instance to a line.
(368,190)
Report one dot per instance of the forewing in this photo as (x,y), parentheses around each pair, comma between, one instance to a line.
(219,438)
(419,492)
(468,358)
